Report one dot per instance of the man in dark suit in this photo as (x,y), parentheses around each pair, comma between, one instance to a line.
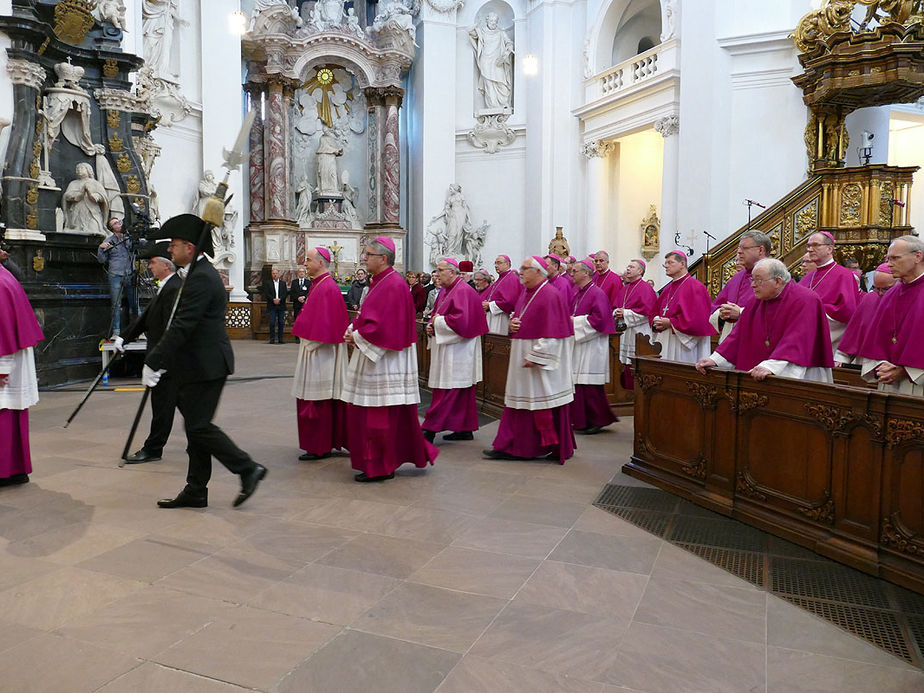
(298,292)
(275,292)
(197,352)
(153,322)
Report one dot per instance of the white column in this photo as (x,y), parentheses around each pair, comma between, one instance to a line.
(669,128)
(431,135)
(555,37)
(596,198)
(222,113)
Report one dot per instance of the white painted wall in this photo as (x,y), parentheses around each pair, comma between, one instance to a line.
(906,148)
(635,186)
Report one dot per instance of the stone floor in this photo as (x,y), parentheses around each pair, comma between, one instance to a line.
(473,576)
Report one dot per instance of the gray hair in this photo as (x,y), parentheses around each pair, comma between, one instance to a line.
(775,268)
(580,266)
(761,239)
(484,275)
(451,266)
(606,255)
(914,243)
(325,263)
(382,250)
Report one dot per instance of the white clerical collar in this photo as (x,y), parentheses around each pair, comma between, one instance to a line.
(826,264)
(161,282)
(916,278)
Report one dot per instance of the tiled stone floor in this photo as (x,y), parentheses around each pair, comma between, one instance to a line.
(474,576)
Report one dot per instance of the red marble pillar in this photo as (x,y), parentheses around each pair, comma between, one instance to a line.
(276,154)
(257,203)
(375,106)
(391,159)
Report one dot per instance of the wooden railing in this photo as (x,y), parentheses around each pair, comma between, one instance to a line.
(854,204)
(837,469)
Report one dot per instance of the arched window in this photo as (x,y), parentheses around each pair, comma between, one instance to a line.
(645,43)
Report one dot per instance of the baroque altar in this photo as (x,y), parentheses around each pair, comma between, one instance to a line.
(76,156)
(325,156)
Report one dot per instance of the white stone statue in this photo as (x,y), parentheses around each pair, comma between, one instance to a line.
(303,191)
(207,187)
(349,200)
(450,234)
(112,11)
(85,204)
(331,11)
(353,26)
(329,148)
(159,21)
(394,15)
(668,20)
(494,60)
(223,239)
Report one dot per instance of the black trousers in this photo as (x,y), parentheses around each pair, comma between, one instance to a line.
(163,407)
(277,322)
(197,403)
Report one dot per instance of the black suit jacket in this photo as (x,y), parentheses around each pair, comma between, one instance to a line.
(269,294)
(196,347)
(153,321)
(295,292)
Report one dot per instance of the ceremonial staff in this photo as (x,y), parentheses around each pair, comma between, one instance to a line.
(212,216)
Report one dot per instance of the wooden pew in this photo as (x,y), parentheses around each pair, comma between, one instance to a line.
(836,468)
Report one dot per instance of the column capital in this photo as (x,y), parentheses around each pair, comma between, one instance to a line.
(668,126)
(26,72)
(382,96)
(597,148)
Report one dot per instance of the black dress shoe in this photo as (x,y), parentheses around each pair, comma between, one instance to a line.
(308,456)
(185,499)
(589,431)
(249,481)
(142,456)
(429,436)
(272,341)
(460,435)
(15,480)
(281,341)
(493,454)
(362,478)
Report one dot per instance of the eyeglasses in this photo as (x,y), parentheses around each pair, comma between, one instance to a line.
(747,247)
(365,255)
(817,245)
(758,280)
(880,290)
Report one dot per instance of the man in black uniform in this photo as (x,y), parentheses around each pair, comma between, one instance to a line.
(197,352)
(153,322)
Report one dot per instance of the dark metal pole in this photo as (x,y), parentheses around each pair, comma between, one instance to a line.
(131,433)
(92,387)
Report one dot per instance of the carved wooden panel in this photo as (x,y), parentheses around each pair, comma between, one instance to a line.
(838,469)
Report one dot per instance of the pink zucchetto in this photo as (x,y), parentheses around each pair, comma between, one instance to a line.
(588,263)
(323,252)
(541,264)
(884,268)
(452,261)
(680,253)
(828,235)
(642,263)
(387,242)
